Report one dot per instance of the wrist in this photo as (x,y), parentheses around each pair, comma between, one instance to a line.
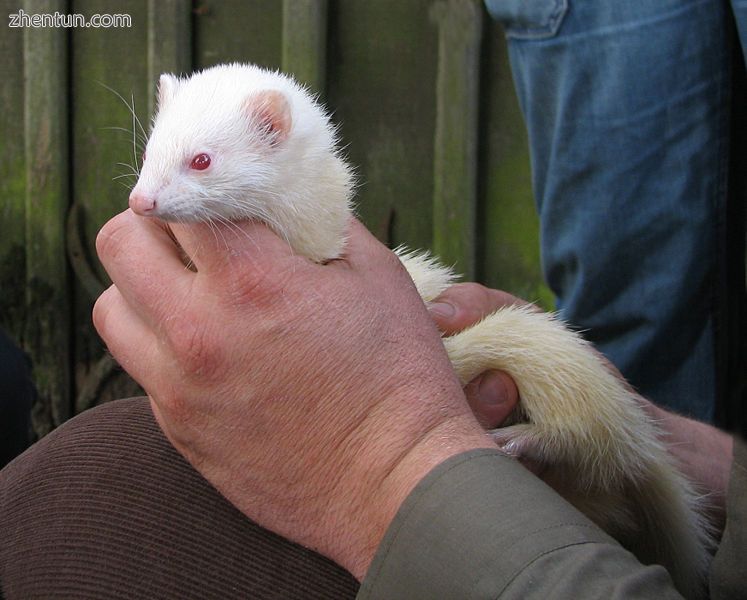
(393,475)
(704,454)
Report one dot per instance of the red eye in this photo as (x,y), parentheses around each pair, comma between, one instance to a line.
(200,162)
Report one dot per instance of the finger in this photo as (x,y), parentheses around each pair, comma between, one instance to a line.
(216,246)
(129,339)
(362,247)
(464,304)
(492,396)
(371,259)
(145,265)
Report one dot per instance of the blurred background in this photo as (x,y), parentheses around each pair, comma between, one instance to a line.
(421,90)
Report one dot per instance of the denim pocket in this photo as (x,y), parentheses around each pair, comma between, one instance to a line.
(529,19)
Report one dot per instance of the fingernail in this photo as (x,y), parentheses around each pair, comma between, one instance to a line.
(492,389)
(442,310)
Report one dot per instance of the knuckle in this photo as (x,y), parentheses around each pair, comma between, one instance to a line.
(390,261)
(252,285)
(469,290)
(110,236)
(101,312)
(457,292)
(172,402)
(472,299)
(478,300)
(246,288)
(197,349)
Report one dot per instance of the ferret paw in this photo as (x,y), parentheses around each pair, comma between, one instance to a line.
(519,441)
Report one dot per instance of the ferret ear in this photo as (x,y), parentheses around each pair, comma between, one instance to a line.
(271,111)
(167,85)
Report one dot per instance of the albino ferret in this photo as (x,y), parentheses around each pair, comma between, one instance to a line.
(237,141)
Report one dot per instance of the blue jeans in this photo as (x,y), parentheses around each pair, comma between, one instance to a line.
(627,106)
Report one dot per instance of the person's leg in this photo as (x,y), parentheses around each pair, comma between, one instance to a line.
(104,507)
(16,394)
(735,410)
(626,105)
(739,8)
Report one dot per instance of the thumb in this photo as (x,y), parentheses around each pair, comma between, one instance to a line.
(213,245)
(492,396)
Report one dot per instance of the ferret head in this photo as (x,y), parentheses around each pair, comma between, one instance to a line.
(239,142)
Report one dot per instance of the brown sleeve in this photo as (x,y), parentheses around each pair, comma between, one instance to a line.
(104,507)
(729,568)
(481,526)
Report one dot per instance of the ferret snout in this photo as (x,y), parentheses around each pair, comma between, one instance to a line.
(142,204)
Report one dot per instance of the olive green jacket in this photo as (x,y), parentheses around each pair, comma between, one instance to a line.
(481,526)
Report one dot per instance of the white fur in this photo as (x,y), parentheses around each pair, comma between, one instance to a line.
(249,177)
(599,448)
(431,278)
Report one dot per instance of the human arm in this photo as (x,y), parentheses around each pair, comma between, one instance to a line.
(728,578)
(705,455)
(317,397)
(481,526)
(712,459)
(295,388)
(703,452)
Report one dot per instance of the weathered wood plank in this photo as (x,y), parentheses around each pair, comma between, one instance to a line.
(109,72)
(508,227)
(169,42)
(238,31)
(47,334)
(455,152)
(106,64)
(380,74)
(12,178)
(304,49)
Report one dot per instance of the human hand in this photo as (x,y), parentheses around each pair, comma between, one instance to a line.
(492,395)
(703,453)
(313,397)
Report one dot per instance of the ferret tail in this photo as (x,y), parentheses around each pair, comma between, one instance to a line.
(599,448)
(429,275)
(672,528)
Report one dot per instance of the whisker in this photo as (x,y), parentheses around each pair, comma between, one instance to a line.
(142,141)
(214,217)
(135,121)
(129,166)
(134,139)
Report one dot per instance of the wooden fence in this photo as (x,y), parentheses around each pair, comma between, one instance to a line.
(420,88)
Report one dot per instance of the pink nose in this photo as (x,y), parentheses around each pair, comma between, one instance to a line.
(142,204)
